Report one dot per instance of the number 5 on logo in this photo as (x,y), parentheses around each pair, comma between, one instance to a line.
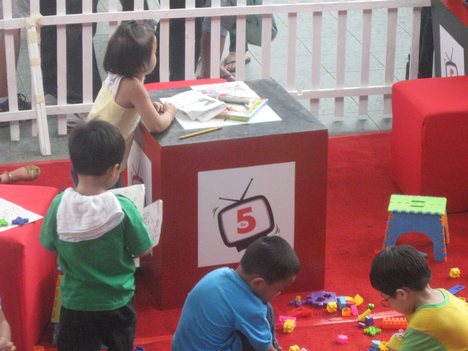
(245,221)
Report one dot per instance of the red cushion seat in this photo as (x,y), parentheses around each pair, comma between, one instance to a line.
(430,138)
(27,270)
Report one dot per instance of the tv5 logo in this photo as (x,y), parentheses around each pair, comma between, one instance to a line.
(245,220)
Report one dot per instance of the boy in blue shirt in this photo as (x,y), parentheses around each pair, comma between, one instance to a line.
(96,234)
(229,309)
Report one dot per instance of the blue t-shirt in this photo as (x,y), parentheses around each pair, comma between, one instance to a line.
(218,307)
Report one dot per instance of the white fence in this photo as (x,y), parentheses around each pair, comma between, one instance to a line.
(297,20)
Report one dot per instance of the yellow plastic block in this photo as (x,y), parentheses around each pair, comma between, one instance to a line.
(332,307)
(288,326)
(454,273)
(358,300)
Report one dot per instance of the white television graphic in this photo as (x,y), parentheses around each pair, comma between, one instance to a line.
(238,205)
(245,220)
(452,58)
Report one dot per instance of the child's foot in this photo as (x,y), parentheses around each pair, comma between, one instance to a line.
(225,74)
(25,173)
(229,62)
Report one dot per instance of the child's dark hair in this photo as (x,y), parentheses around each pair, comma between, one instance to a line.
(129,49)
(95,147)
(272,258)
(399,266)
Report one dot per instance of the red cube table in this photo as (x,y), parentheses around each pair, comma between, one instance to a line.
(27,270)
(223,189)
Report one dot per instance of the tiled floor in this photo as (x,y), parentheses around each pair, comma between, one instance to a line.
(375,120)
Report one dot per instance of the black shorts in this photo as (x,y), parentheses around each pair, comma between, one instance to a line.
(88,331)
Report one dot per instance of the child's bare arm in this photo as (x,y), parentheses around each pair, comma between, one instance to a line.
(156,121)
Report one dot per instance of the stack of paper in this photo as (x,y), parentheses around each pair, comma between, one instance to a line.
(243,111)
(197,106)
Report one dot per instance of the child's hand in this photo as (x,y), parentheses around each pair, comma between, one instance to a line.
(6,345)
(170,109)
(158,106)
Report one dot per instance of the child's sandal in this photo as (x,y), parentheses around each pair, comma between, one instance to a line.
(32,172)
(8,178)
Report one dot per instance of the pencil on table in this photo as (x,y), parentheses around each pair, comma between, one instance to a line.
(204,131)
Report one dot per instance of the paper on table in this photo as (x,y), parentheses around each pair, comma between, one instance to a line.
(239,88)
(10,210)
(266,114)
(197,106)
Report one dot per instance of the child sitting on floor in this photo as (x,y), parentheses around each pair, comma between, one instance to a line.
(96,235)
(437,320)
(229,309)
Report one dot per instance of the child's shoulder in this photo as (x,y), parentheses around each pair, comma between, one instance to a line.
(124,201)
(58,199)
(224,278)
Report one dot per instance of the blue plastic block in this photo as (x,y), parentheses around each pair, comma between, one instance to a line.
(456,289)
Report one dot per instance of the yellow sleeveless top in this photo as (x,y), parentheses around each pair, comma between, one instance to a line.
(125,119)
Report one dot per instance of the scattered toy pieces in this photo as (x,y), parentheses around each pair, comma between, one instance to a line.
(321,298)
(19,221)
(454,273)
(358,300)
(301,312)
(289,326)
(363,315)
(456,289)
(296,348)
(332,307)
(372,330)
(394,323)
(342,339)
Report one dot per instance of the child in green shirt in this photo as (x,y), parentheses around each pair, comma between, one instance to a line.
(96,235)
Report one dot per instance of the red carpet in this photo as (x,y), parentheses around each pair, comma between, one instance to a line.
(359,188)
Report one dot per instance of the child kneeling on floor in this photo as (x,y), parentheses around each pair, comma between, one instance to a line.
(229,309)
(437,320)
(96,235)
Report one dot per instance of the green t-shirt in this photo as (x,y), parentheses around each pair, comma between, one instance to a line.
(98,274)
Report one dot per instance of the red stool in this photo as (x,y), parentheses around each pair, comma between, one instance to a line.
(430,138)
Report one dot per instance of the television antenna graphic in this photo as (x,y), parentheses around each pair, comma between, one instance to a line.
(243,195)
